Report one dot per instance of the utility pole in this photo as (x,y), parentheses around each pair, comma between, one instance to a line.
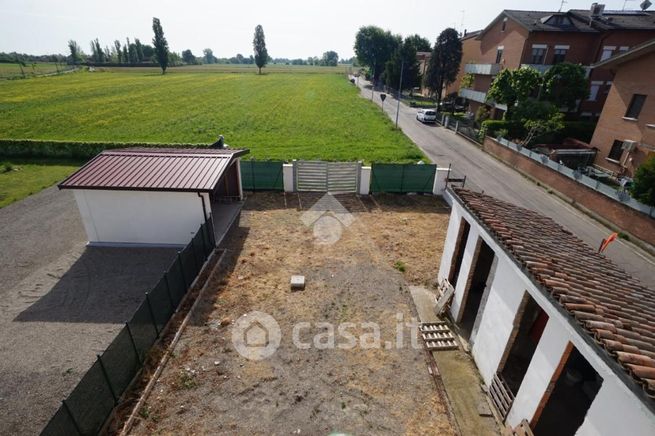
(400,87)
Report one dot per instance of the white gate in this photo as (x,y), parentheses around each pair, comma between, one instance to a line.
(320,176)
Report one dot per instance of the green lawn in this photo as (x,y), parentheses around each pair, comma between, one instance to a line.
(234,68)
(276,116)
(20,178)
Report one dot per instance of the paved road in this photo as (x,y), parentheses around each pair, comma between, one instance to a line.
(485,173)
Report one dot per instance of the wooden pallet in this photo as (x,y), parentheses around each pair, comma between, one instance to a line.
(437,336)
(501,396)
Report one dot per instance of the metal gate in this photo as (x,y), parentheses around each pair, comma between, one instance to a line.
(320,176)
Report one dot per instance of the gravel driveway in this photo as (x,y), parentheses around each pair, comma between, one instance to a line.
(61,303)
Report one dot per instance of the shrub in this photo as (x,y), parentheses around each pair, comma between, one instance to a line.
(514,129)
(643,186)
(70,149)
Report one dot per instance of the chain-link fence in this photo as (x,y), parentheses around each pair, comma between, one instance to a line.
(91,402)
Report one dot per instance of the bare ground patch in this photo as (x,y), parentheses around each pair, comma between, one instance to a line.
(207,387)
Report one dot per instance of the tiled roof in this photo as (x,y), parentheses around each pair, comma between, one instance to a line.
(579,20)
(154,169)
(607,303)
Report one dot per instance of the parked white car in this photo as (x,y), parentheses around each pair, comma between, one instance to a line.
(426,115)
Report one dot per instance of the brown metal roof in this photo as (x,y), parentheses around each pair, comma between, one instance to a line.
(606,303)
(154,169)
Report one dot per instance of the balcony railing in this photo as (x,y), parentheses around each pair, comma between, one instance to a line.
(543,68)
(485,69)
(474,95)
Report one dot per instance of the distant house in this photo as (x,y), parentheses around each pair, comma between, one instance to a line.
(541,39)
(155,196)
(625,134)
(564,339)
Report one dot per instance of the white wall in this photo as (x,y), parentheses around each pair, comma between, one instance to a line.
(140,217)
(497,320)
(615,410)
(364,180)
(465,270)
(287,177)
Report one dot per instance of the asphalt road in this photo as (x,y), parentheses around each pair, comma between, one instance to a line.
(485,173)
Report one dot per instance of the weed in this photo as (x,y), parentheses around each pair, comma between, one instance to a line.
(625,236)
(399,265)
(144,412)
(187,379)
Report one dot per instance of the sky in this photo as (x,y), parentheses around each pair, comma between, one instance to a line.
(293,29)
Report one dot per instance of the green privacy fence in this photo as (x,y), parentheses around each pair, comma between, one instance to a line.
(92,401)
(402,178)
(260,175)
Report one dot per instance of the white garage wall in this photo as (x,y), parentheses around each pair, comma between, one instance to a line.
(497,320)
(140,217)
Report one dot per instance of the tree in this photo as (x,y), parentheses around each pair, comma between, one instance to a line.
(259,45)
(419,43)
(404,58)
(564,84)
(119,53)
(139,50)
(161,45)
(188,57)
(75,52)
(643,185)
(330,59)
(444,62)
(126,55)
(512,87)
(538,117)
(97,53)
(131,52)
(208,55)
(374,47)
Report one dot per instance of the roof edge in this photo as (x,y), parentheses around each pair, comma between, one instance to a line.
(632,54)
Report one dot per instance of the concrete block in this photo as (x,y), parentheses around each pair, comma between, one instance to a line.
(297,283)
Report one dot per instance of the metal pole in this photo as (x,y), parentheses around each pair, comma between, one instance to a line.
(70,415)
(106,375)
(136,350)
(400,90)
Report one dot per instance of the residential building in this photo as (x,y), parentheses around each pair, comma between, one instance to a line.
(562,337)
(541,39)
(625,134)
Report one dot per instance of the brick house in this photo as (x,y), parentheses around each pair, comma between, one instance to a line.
(625,134)
(541,39)
(563,338)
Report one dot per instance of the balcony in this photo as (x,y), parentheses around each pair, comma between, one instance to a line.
(484,69)
(539,67)
(471,94)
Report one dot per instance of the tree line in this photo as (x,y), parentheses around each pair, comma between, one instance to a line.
(392,60)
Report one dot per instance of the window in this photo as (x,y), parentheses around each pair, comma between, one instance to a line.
(538,55)
(559,55)
(593,90)
(499,55)
(607,53)
(616,151)
(624,48)
(636,104)
(502,29)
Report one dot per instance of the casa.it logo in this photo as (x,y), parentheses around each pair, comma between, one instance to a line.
(327,218)
(256,335)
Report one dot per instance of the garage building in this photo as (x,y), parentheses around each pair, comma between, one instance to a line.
(157,196)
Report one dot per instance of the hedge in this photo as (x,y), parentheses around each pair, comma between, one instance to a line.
(72,149)
(582,130)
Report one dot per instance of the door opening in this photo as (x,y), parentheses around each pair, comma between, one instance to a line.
(528,328)
(570,400)
(458,255)
(477,284)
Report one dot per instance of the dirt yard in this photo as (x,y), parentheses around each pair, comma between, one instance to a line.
(387,243)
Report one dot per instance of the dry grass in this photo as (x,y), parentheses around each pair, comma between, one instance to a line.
(208,388)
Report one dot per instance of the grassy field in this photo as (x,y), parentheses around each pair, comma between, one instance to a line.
(276,116)
(20,178)
(14,70)
(234,68)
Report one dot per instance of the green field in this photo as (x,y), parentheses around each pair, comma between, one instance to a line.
(20,178)
(234,68)
(277,116)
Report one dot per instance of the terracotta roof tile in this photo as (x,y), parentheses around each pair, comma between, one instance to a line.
(615,309)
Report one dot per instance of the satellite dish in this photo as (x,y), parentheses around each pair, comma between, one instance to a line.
(645,5)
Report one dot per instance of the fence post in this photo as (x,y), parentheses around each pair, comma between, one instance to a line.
(204,240)
(70,415)
(252,173)
(195,254)
(179,260)
(104,373)
(136,350)
(168,291)
(152,314)
(456,126)
(402,177)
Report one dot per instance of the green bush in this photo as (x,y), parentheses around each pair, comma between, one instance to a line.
(71,149)
(514,129)
(582,130)
(643,187)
